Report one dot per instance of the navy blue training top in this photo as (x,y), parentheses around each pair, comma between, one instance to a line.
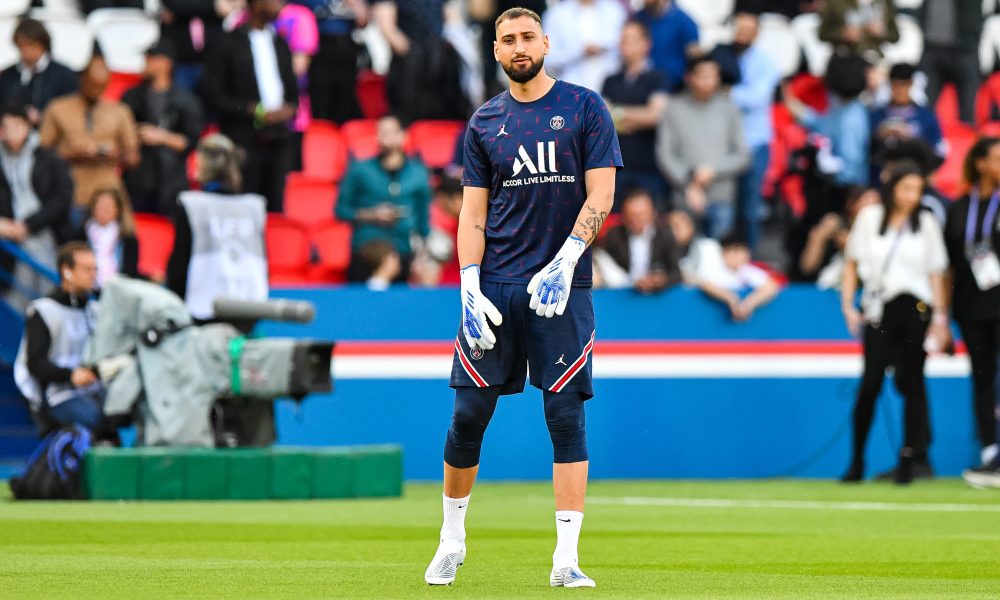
(532,156)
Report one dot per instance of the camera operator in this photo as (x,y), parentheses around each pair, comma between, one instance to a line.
(48,369)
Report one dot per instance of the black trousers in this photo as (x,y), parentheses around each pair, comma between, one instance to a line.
(897,342)
(943,65)
(982,338)
(265,170)
(333,79)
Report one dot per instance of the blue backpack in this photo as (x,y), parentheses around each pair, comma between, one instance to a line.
(53,469)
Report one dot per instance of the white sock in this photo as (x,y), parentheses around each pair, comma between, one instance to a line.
(453,528)
(989,453)
(568,523)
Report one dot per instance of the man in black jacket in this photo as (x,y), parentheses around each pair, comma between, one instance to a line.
(250,82)
(647,253)
(169,121)
(36,192)
(35,79)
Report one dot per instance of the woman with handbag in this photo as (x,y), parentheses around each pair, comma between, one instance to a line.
(898,253)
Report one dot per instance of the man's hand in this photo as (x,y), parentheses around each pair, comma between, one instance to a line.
(150,135)
(475,309)
(694,196)
(82,377)
(703,176)
(550,287)
(281,115)
(385,215)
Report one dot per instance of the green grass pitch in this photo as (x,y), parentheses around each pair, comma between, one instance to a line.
(772,539)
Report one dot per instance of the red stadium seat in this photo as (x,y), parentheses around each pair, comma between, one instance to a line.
(119,83)
(324,153)
(361,136)
(156,241)
(988,102)
(947,109)
(332,240)
(288,250)
(434,141)
(309,201)
(948,178)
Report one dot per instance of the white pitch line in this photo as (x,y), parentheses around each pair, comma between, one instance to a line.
(793,504)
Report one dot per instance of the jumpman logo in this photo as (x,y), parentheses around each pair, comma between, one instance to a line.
(503,130)
(561,361)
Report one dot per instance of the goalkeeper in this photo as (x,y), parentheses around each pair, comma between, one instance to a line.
(540,163)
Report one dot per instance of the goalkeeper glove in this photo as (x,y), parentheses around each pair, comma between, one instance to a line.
(550,287)
(475,309)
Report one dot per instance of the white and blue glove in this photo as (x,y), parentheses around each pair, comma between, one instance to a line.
(475,309)
(550,287)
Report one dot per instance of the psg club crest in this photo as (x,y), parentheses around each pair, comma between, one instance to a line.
(557,123)
(477,353)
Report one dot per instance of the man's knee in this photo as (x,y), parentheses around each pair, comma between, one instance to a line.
(566,420)
(473,410)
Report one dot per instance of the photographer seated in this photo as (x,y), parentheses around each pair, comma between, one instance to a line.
(49,370)
(219,235)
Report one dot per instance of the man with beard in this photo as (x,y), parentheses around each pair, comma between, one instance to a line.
(540,164)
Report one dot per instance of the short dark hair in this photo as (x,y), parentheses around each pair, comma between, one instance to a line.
(14,109)
(516,13)
(633,22)
(902,72)
(33,31)
(66,259)
(636,192)
(450,186)
(700,59)
(734,239)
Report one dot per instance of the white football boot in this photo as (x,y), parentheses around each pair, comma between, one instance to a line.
(570,577)
(448,558)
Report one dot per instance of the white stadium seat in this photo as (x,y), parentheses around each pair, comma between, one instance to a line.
(710,36)
(911,4)
(805,28)
(123,34)
(72,42)
(989,44)
(8,51)
(777,39)
(707,12)
(14,8)
(910,46)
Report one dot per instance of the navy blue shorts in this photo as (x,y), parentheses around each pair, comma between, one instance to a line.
(556,352)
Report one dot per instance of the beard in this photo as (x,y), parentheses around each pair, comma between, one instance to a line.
(526,74)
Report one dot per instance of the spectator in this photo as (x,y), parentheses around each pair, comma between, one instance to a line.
(110,231)
(35,79)
(701,149)
(219,235)
(424,80)
(693,249)
(385,198)
(845,127)
(377,264)
(903,119)
(734,281)
(972,236)
(192,26)
(859,26)
(333,71)
(822,259)
(96,136)
(637,97)
(251,83)
(297,26)
(754,95)
(644,254)
(49,368)
(439,260)
(584,37)
(898,253)
(169,122)
(36,192)
(951,50)
(674,35)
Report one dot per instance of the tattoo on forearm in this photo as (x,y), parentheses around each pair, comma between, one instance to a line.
(482,229)
(589,225)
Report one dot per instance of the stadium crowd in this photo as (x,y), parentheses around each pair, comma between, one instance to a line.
(755,135)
